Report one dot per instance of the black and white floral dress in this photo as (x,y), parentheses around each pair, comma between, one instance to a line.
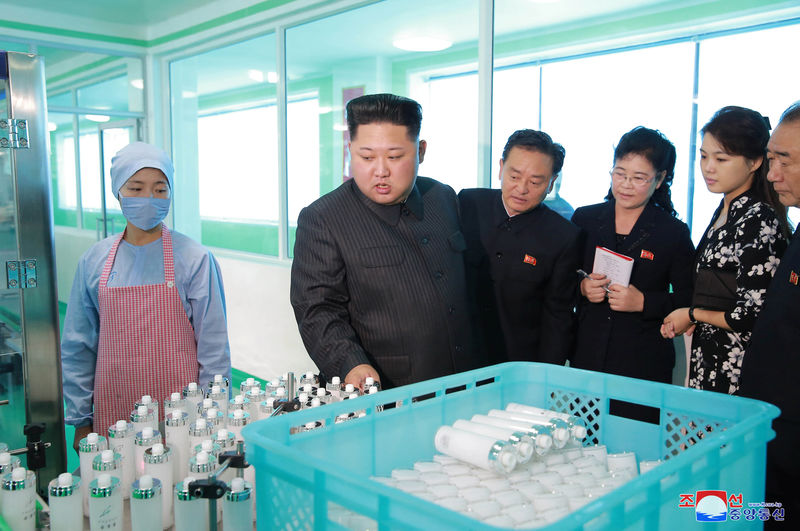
(750,243)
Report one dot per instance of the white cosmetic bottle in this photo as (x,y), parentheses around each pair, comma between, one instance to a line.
(88,448)
(109,462)
(157,464)
(120,439)
(191,514)
(105,503)
(144,440)
(478,450)
(193,396)
(176,432)
(18,499)
(146,503)
(143,417)
(66,508)
(237,507)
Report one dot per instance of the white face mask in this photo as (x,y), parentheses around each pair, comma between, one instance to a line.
(144,212)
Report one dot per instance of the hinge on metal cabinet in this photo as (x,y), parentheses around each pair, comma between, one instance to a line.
(14,134)
(21,274)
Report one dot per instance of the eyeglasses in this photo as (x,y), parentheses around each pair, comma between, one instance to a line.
(636,180)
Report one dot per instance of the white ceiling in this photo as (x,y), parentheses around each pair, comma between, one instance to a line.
(128,12)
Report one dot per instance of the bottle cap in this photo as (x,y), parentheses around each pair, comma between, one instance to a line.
(212,413)
(240,490)
(222,434)
(103,486)
(218,378)
(303,397)
(158,453)
(309,375)
(321,392)
(146,482)
(192,386)
(141,411)
(175,397)
(17,480)
(250,381)
(349,388)
(145,488)
(200,423)
(373,389)
(353,395)
(207,445)
(238,414)
(316,402)
(369,381)
(336,380)
(106,460)
(146,399)
(121,425)
(92,443)
(147,432)
(280,391)
(307,388)
(207,403)
(311,425)
(157,449)
(120,430)
(270,401)
(64,485)
(238,399)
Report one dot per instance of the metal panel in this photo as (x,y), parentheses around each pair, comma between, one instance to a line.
(39,340)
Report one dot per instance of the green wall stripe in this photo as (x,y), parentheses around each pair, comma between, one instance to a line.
(96,64)
(60,32)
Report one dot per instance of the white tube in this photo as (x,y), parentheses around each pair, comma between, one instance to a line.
(541,435)
(478,450)
(120,439)
(577,424)
(560,433)
(522,442)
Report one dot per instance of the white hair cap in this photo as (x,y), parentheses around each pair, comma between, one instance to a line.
(134,157)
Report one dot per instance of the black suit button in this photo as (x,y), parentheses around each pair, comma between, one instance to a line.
(438,275)
(406,211)
(459,348)
(499,256)
(424,241)
(451,310)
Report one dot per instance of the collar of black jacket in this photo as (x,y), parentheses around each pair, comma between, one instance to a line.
(502,220)
(391,214)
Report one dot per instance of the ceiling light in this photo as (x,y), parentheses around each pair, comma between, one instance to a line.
(137,83)
(324,109)
(422,44)
(101,118)
(272,77)
(51,126)
(188,94)
(256,75)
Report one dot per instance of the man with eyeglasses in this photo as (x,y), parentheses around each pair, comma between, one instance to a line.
(522,256)
(772,363)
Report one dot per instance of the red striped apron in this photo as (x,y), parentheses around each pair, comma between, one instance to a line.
(146,344)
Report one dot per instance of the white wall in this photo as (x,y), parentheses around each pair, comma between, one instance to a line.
(261,327)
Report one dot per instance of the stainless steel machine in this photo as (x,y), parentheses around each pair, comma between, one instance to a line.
(31,402)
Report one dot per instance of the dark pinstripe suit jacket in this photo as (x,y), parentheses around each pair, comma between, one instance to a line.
(383,285)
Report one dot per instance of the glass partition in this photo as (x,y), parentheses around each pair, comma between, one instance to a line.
(224,140)
(412,48)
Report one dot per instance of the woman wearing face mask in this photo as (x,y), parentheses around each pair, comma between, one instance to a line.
(146,313)
(738,254)
(618,326)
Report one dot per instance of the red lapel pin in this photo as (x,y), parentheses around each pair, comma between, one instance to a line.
(529,259)
(647,255)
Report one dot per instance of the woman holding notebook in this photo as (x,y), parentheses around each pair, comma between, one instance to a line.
(739,252)
(619,324)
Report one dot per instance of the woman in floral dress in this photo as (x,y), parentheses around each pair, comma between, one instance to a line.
(744,241)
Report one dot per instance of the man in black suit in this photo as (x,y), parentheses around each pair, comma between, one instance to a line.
(522,256)
(378,276)
(771,363)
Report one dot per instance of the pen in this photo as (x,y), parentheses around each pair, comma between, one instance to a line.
(584,274)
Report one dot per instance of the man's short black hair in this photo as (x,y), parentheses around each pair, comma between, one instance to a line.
(384,108)
(537,141)
(792,114)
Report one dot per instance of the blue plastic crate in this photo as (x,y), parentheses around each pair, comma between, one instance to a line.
(709,441)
